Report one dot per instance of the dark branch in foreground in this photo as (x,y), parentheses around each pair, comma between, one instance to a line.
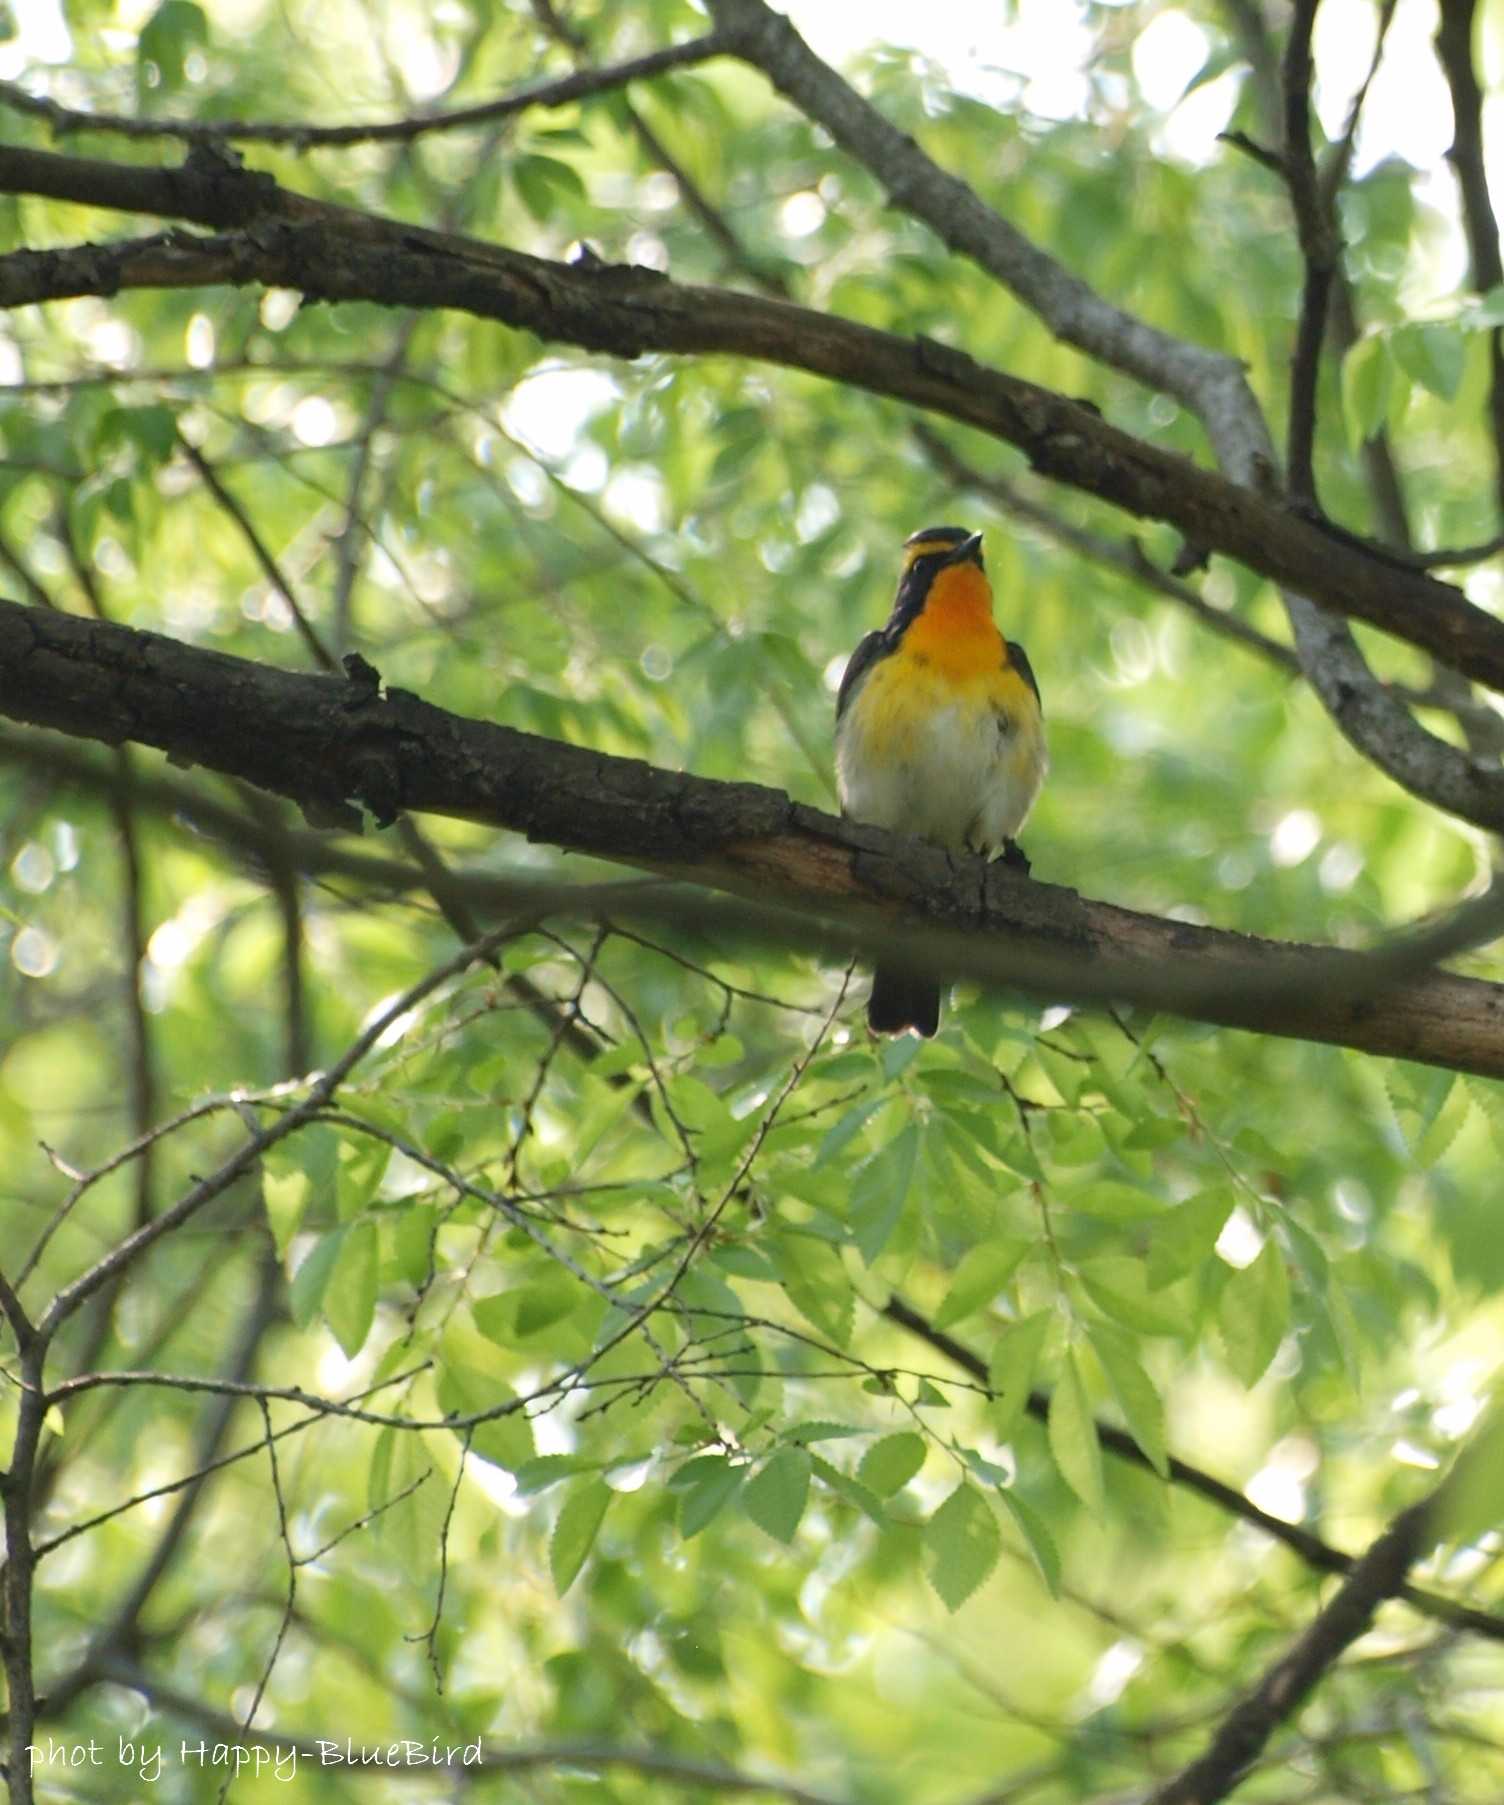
(328,253)
(328,743)
(1379,1575)
(1310,1548)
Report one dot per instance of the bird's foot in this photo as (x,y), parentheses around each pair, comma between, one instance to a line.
(1015,858)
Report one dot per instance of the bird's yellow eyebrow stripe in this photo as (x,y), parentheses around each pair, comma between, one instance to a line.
(924,548)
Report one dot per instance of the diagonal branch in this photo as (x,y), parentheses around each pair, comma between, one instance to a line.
(323,742)
(1378,1576)
(1310,1548)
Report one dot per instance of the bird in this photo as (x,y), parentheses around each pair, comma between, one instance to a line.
(939,732)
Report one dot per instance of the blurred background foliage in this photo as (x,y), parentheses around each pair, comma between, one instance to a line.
(783,1535)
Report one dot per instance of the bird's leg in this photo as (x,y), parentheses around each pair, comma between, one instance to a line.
(1014,856)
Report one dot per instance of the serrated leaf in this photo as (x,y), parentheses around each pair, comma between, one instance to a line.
(1184,1238)
(1135,1392)
(1073,1437)
(1254,1313)
(306,1292)
(349,1298)
(712,1490)
(1113,1201)
(1037,1538)
(506,1440)
(575,1531)
(964,1542)
(1118,1285)
(847,1128)
(1473,1500)
(844,1486)
(1010,1371)
(1488,1094)
(889,1464)
(803,1434)
(982,1273)
(775,1496)
(286,1196)
(362,1165)
(880,1191)
(816,1284)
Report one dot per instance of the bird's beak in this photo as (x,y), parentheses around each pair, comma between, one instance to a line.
(969,551)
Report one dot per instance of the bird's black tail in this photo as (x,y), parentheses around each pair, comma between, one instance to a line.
(903,999)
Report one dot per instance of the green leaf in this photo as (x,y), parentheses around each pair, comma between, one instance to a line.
(1135,1392)
(1254,1313)
(983,1272)
(1472,1501)
(712,1490)
(1114,1201)
(286,1194)
(889,1464)
(816,1283)
(1043,1548)
(775,1496)
(548,188)
(362,1166)
(1118,1285)
(879,1193)
(506,1441)
(1432,352)
(1073,1436)
(349,1295)
(1010,1371)
(306,1293)
(174,29)
(575,1530)
(1367,378)
(1184,1238)
(964,1542)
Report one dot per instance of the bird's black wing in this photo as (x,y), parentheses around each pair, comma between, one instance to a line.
(875,646)
(1019,659)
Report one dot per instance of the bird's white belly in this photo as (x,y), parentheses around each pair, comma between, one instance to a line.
(960,774)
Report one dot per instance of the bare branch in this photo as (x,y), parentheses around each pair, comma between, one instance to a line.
(1379,1575)
(561,92)
(1318,249)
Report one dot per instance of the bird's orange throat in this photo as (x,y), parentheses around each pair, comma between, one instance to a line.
(956,630)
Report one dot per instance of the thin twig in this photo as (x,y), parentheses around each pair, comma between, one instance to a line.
(563,91)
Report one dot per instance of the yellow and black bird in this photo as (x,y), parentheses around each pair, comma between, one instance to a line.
(939,732)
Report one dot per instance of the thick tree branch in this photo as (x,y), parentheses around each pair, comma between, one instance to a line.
(334,254)
(561,92)
(324,742)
